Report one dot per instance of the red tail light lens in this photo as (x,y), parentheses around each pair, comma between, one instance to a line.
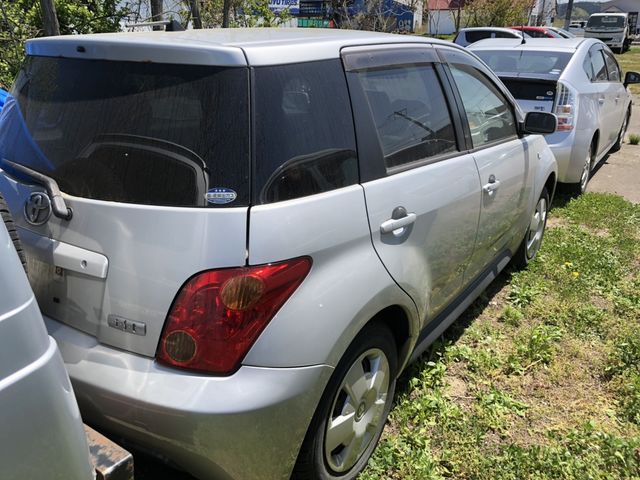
(218,315)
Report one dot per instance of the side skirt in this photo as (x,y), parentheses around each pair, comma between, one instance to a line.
(440,323)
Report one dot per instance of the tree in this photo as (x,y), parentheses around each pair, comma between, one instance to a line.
(497,13)
(21,20)
(49,18)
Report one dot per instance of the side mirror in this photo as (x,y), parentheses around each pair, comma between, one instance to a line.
(631,77)
(540,123)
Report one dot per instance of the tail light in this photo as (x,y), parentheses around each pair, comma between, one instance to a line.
(218,314)
(565,107)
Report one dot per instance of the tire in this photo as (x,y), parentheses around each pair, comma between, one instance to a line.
(11,228)
(623,130)
(579,188)
(371,360)
(528,249)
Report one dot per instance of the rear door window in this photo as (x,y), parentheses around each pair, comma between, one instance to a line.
(477,35)
(304,134)
(598,65)
(612,67)
(133,132)
(409,111)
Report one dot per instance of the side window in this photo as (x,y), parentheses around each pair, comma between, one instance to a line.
(587,66)
(409,111)
(612,67)
(504,35)
(477,35)
(489,114)
(598,65)
(304,137)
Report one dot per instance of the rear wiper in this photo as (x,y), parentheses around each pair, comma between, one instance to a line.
(58,205)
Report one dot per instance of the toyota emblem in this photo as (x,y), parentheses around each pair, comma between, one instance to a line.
(37,208)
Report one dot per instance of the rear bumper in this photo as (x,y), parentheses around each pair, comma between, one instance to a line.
(246,426)
(571,150)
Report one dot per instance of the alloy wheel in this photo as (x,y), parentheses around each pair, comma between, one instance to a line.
(536,228)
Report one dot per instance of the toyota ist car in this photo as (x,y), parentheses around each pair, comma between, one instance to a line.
(580,81)
(239,238)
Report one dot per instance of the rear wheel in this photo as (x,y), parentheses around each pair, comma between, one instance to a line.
(623,131)
(581,187)
(353,410)
(532,240)
(11,228)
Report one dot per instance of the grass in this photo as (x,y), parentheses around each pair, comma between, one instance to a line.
(540,378)
(634,138)
(630,61)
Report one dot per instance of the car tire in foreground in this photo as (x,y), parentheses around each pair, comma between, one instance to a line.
(11,228)
(532,240)
(353,410)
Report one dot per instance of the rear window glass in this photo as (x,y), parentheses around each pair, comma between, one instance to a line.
(132,132)
(477,35)
(304,134)
(518,61)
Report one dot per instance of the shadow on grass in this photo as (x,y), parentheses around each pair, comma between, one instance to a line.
(454,332)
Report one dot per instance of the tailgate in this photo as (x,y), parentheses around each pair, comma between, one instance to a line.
(532,95)
(152,159)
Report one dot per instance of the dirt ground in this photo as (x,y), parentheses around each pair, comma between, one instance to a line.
(619,172)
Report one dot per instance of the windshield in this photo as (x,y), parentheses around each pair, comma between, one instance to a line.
(132,132)
(520,61)
(606,21)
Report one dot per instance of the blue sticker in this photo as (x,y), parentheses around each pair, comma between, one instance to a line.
(220,195)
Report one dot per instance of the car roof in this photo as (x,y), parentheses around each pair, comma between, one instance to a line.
(224,47)
(493,29)
(538,44)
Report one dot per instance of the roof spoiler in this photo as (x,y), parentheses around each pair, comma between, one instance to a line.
(169,25)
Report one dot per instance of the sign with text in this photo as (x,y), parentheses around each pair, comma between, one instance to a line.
(280,5)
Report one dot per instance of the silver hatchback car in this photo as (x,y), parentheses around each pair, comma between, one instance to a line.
(239,238)
(580,81)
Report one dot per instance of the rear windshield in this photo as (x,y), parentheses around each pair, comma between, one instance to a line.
(155,134)
(518,61)
(607,21)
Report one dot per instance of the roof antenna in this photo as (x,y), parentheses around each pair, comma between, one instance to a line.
(522,32)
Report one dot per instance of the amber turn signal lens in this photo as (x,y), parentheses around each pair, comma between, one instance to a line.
(180,346)
(240,293)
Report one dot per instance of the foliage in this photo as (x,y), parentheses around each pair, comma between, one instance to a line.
(540,379)
(634,138)
(21,20)
(497,13)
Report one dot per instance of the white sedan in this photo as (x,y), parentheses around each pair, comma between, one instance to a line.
(580,81)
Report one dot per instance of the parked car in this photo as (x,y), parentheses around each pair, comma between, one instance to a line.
(538,32)
(42,433)
(577,27)
(562,32)
(250,231)
(467,36)
(581,82)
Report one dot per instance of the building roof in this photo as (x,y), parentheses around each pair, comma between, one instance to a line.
(445,4)
(223,47)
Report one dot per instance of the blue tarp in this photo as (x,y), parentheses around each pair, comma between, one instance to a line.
(3,97)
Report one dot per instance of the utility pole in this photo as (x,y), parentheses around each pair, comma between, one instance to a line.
(49,18)
(195,13)
(156,13)
(567,15)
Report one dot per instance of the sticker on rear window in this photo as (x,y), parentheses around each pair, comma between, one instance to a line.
(220,195)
